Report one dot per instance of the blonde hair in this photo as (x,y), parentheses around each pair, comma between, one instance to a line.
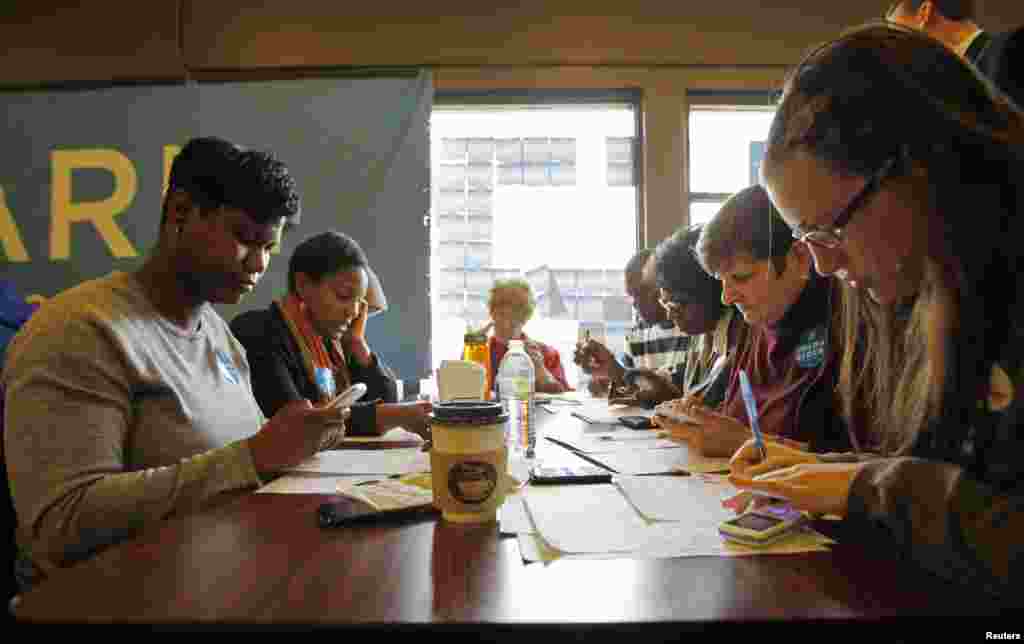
(881,93)
(516,283)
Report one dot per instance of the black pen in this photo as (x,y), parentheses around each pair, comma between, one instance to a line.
(389,476)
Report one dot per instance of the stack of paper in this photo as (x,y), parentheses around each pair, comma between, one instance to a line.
(326,472)
(383,461)
(645,517)
(671,460)
(616,441)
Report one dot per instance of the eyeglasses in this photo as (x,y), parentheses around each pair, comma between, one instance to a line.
(676,299)
(832,236)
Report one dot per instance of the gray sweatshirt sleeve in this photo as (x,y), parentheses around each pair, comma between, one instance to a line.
(68,414)
(942,519)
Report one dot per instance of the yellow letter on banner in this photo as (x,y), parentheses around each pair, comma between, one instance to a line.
(10,239)
(170,151)
(64,212)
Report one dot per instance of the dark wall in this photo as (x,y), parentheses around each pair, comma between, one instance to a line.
(82,177)
(121,39)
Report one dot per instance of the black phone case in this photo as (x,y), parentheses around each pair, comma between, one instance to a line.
(347,511)
(569,476)
(637,422)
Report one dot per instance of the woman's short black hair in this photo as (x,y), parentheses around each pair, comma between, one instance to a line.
(216,173)
(677,269)
(325,254)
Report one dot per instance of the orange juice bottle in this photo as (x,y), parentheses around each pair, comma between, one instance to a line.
(475,349)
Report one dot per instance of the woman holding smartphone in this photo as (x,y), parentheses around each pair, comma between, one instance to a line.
(312,345)
(899,169)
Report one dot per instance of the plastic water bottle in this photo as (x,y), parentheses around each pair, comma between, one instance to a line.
(517,384)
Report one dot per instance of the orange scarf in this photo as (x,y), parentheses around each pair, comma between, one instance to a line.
(317,353)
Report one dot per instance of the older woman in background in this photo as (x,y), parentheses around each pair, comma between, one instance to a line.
(511,305)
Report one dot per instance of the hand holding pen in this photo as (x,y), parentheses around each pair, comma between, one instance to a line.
(751,404)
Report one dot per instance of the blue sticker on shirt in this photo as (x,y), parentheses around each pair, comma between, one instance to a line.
(325,381)
(810,351)
(228,368)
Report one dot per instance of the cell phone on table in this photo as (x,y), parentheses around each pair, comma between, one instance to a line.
(349,396)
(346,510)
(564,475)
(762,526)
(637,422)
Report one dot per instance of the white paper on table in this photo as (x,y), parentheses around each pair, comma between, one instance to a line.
(309,484)
(695,534)
(512,516)
(660,461)
(615,441)
(389,494)
(366,461)
(676,498)
(533,548)
(585,518)
(603,416)
(393,434)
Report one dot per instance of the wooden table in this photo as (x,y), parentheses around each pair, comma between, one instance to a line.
(261,558)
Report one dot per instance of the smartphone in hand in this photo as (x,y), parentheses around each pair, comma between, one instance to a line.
(349,396)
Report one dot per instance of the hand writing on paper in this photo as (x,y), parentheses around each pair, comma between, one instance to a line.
(711,433)
(822,488)
(645,387)
(781,453)
(294,434)
(595,358)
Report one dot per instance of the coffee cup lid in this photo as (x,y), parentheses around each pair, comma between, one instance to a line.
(477,412)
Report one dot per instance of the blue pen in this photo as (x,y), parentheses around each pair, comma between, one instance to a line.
(751,404)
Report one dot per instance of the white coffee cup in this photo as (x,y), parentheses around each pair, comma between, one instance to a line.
(468,460)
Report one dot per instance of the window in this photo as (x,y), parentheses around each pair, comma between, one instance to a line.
(619,152)
(726,146)
(542,192)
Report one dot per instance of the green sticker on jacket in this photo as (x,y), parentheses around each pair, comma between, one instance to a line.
(810,350)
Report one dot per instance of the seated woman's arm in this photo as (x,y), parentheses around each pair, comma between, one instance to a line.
(946,521)
(69,411)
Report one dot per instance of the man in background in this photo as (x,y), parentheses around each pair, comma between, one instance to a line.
(1000,56)
(653,347)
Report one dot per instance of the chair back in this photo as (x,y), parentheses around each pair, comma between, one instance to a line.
(8,523)
(14,311)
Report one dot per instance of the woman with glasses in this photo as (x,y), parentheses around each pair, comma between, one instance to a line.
(899,169)
(790,351)
(311,344)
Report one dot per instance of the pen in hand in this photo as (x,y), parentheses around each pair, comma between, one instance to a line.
(751,405)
